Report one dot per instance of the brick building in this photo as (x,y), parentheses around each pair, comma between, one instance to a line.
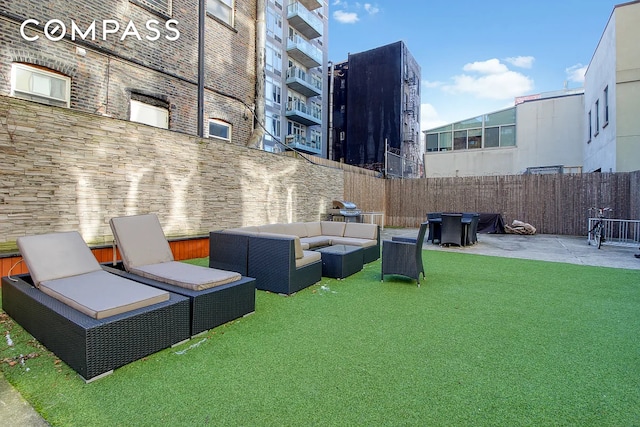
(137,60)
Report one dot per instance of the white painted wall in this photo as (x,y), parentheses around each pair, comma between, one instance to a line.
(600,152)
(549,132)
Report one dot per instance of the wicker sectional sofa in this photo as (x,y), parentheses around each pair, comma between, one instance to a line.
(281,257)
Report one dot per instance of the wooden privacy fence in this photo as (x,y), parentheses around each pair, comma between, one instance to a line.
(554,204)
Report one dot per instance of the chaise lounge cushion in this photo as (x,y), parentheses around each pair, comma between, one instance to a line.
(146,252)
(100,294)
(185,276)
(62,266)
(56,255)
(140,240)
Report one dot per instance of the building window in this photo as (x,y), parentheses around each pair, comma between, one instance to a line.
(597,118)
(492,137)
(39,85)
(274,25)
(273,60)
(606,107)
(219,129)
(590,128)
(145,110)
(221,9)
(273,124)
(460,140)
(474,138)
(161,6)
(508,136)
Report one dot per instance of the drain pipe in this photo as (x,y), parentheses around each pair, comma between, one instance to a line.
(256,138)
(201,23)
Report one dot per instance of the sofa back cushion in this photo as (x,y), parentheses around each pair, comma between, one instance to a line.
(313,228)
(332,228)
(295,229)
(272,228)
(361,231)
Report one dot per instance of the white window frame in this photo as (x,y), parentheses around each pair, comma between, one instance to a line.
(224,10)
(141,112)
(223,124)
(39,83)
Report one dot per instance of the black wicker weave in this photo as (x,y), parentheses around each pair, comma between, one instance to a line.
(229,251)
(209,307)
(272,262)
(90,346)
(452,230)
(404,257)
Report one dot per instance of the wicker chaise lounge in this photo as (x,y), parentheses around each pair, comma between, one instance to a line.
(92,320)
(216,296)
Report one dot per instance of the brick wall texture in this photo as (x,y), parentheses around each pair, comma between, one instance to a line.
(103,79)
(63,169)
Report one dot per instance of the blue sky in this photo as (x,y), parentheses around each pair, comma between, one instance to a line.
(476,56)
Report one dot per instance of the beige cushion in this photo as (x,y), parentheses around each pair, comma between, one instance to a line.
(57,255)
(187,276)
(140,240)
(272,228)
(361,231)
(353,241)
(332,228)
(99,294)
(249,231)
(313,228)
(316,242)
(296,229)
(308,258)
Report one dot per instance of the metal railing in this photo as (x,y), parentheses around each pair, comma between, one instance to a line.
(619,232)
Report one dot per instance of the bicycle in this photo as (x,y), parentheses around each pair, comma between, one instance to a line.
(597,231)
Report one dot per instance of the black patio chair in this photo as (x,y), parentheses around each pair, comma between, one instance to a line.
(404,258)
(435,223)
(452,230)
(472,227)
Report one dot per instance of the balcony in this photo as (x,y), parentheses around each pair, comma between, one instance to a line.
(311,4)
(300,112)
(305,22)
(301,143)
(304,52)
(304,83)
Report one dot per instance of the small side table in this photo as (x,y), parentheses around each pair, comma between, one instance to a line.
(372,216)
(340,261)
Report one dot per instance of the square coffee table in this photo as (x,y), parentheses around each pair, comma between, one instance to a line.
(340,261)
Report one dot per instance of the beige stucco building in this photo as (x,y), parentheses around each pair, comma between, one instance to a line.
(595,129)
(612,95)
(541,133)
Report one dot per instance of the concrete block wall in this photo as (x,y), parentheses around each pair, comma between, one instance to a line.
(62,169)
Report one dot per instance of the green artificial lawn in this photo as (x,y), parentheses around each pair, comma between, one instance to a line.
(484,341)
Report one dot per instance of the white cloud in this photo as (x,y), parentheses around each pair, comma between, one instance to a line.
(521,61)
(429,117)
(575,73)
(495,81)
(491,66)
(345,17)
(371,9)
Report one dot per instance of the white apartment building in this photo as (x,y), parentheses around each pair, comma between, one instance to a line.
(296,55)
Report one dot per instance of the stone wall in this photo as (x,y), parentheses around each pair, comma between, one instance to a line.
(62,169)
